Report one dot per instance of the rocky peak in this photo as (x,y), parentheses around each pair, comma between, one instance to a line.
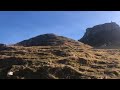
(102,35)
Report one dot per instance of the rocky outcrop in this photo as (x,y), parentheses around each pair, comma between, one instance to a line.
(102,35)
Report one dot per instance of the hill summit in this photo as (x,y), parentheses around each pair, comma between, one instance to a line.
(49,39)
(103,35)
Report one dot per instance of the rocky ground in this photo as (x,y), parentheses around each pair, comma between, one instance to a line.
(59,62)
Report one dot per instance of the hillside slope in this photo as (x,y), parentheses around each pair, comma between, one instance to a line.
(48,40)
(59,62)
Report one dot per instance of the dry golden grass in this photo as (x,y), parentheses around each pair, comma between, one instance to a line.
(60,62)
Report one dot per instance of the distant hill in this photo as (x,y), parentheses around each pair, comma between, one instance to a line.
(48,40)
(2,46)
(105,35)
(5,47)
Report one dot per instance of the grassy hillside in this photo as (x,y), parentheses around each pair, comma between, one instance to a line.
(59,62)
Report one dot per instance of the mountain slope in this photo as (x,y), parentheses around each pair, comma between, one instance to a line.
(48,40)
(59,62)
(55,57)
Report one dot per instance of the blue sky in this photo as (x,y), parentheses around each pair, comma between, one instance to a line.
(16,26)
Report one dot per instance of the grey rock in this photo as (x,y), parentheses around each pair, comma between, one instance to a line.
(102,35)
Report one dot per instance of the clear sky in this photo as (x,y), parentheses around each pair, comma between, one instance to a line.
(16,26)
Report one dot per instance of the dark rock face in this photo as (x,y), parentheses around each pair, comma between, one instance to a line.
(47,40)
(107,34)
